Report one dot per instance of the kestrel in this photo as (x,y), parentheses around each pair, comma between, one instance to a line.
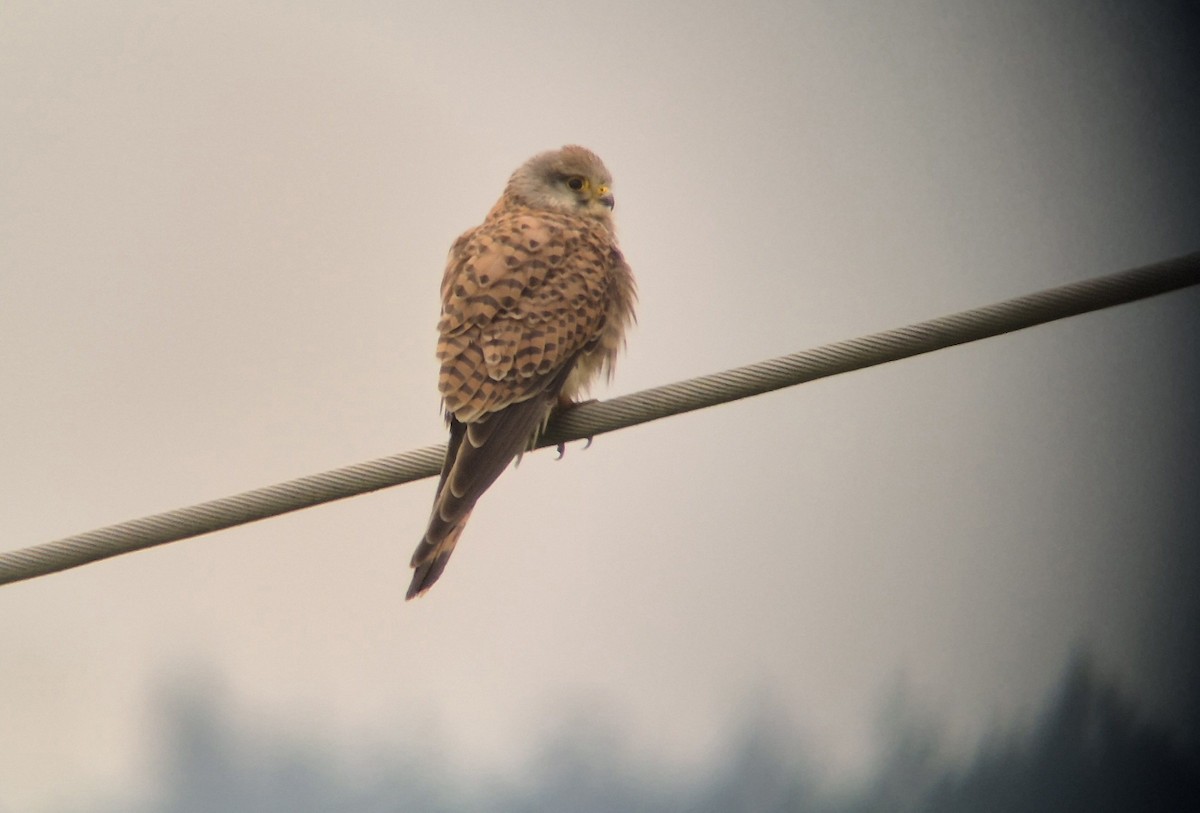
(535,303)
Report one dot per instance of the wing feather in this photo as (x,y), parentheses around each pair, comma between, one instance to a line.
(522,294)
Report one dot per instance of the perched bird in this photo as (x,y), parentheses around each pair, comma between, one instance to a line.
(535,303)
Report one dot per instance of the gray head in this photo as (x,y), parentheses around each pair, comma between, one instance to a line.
(572,180)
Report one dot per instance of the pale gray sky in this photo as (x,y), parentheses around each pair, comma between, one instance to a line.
(223,228)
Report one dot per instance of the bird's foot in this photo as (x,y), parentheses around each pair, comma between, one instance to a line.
(561,448)
(562,405)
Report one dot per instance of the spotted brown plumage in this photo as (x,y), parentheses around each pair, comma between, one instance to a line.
(535,303)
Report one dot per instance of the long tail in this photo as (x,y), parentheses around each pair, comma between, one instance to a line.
(475,456)
(434,549)
(435,556)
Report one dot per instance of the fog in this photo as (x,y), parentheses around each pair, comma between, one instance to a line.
(1089,748)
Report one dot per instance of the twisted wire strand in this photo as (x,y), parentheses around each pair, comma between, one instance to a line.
(596,418)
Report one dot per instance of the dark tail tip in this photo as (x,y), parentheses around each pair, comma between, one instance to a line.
(426,574)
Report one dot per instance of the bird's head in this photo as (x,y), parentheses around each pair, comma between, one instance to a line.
(572,180)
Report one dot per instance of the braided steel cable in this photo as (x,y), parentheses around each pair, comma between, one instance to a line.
(596,418)
(877,348)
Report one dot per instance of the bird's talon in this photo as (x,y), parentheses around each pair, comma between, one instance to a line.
(562,450)
(588,445)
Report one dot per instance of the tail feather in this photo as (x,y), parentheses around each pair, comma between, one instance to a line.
(475,456)
(429,567)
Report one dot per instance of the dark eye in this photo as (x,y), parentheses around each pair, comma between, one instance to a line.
(575,183)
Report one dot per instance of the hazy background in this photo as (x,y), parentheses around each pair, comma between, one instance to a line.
(222,229)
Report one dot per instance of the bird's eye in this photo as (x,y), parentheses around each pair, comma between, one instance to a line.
(576,182)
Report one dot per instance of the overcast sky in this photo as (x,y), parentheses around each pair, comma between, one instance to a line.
(222,230)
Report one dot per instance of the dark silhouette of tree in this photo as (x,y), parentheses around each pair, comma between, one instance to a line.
(1090,750)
